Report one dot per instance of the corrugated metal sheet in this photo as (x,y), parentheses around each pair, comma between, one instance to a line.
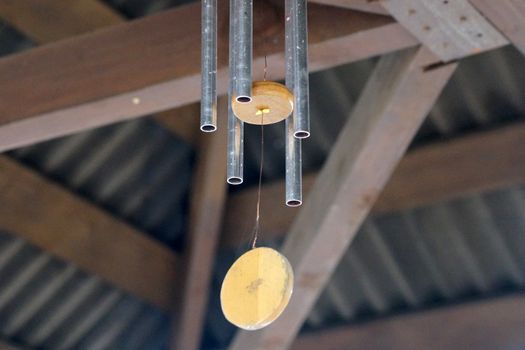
(48,304)
(138,171)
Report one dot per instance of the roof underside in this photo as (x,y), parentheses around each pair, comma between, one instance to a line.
(469,248)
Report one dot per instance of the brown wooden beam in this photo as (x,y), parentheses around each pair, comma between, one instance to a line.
(153,64)
(72,229)
(474,163)
(52,20)
(483,325)
(207,202)
(508,16)
(393,104)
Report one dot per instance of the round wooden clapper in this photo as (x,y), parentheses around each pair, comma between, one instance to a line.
(257,288)
(270,103)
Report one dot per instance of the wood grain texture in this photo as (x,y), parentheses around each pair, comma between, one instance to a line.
(393,104)
(48,21)
(208,197)
(72,229)
(271,103)
(506,15)
(256,288)
(53,20)
(451,29)
(150,65)
(358,5)
(434,173)
(483,325)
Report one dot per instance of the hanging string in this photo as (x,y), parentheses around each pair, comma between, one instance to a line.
(257,228)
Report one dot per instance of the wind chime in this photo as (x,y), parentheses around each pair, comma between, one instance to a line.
(258,286)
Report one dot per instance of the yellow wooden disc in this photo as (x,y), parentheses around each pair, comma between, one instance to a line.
(257,288)
(270,100)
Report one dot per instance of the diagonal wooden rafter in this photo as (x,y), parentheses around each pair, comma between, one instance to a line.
(396,99)
(206,212)
(508,16)
(474,163)
(482,325)
(70,228)
(155,66)
(52,20)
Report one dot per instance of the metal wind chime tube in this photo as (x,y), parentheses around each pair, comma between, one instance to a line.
(209,66)
(234,170)
(242,48)
(301,120)
(261,102)
(293,174)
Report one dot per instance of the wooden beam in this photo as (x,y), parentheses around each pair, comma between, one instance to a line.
(206,212)
(508,16)
(183,122)
(150,65)
(70,228)
(48,21)
(392,106)
(451,29)
(358,5)
(482,325)
(438,172)
(53,20)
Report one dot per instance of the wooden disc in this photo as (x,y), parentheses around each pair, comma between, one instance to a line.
(257,288)
(270,99)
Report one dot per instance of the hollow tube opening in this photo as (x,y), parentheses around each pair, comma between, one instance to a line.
(244,99)
(293,203)
(301,134)
(208,128)
(234,180)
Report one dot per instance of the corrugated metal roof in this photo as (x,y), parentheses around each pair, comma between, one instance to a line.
(49,304)
(399,262)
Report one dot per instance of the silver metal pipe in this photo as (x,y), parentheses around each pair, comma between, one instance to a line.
(294,186)
(234,173)
(294,196)
(209,65)
(300,75)
(241,48)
